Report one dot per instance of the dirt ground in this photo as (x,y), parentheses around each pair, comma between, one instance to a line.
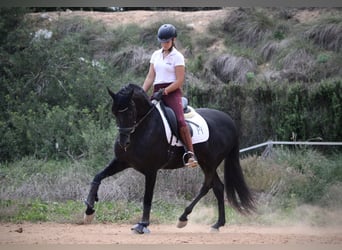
(53,233)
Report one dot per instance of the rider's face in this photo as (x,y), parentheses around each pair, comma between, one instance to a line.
(167,45)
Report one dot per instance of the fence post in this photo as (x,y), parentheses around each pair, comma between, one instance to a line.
(268,150)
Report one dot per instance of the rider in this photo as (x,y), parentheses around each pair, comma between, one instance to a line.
(166,73)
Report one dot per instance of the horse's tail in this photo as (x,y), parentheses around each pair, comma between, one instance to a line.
(238,193)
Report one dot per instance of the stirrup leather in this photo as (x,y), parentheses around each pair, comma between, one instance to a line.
(193,162)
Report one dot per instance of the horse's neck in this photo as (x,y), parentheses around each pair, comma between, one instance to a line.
(142,106)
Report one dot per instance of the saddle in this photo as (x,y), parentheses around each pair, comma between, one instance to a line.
(198,126)
(171,117)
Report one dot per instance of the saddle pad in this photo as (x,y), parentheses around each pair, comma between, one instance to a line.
(196,121)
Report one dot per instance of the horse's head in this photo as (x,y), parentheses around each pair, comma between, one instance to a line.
(129,105)
(123,108)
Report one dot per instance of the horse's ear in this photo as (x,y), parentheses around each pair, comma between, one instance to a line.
(130,94)
(111,93)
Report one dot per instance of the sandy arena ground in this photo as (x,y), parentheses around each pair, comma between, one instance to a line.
(53,233)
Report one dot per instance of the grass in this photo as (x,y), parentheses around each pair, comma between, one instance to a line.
(248,26)
(326,33)
(292,186)
(36,210)
(166,213)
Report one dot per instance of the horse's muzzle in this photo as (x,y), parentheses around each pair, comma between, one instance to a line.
(124,137)
(124,141)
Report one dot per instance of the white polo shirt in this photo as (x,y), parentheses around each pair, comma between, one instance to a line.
(165,67)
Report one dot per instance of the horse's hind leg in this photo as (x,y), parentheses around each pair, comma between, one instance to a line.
(113,167)
(183,219)
(218,189)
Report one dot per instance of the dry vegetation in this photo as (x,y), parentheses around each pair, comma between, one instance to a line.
(260,36)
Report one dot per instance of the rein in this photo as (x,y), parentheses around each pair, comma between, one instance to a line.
(131,130)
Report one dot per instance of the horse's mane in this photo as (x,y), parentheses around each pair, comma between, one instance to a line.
(138,95)
(138,91)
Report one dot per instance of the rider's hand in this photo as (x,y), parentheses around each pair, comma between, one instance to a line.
(158,95)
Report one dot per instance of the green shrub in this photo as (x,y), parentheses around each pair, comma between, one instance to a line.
(265,111)
(99,142)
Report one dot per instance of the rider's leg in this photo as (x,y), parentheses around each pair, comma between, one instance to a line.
(186,139)
(174,101)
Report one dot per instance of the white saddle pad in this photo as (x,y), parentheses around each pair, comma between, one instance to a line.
(196,121)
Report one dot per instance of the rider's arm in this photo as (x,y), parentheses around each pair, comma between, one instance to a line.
(149,78)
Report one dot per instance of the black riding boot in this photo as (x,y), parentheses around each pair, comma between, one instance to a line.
(186,139)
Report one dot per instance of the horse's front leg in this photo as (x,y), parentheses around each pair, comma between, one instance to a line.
(112,168)
(141,227)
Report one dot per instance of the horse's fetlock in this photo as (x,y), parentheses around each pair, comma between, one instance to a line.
(144,223)
(183,218)
(89,211)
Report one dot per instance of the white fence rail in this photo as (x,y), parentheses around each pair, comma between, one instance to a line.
(271,143)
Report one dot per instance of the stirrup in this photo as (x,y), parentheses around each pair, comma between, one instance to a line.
(192,162)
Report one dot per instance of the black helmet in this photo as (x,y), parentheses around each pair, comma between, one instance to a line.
(166,32)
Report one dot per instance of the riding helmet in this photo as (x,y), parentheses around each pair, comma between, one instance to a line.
(166,32)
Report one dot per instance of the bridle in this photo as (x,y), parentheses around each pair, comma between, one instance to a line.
(130,130)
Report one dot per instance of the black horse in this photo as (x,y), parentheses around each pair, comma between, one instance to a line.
(142,145)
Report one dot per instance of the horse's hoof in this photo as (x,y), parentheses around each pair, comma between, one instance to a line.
(140,229)
(214,230)
(182,224)
(87,219)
